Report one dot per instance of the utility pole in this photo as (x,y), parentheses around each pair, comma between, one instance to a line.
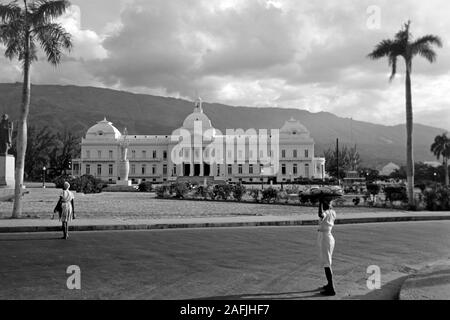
(337,160)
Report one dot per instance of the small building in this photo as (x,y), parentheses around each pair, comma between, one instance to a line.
(388,169)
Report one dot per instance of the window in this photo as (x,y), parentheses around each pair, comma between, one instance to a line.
(283,154)
(261,168)
(110,169)
(144,169)
(99,153)
(133,169)
(294,169)
(218,170)
(307,170)
(295,153)
(133,154)
(240,169)
(165,169)
(88,154)
(250,169)
(165,155)
(154,154)
(174,170)
(306,153)
(99,169)
(283,169)
(88,169)
(110,154)
(230,169)
(154,169)
(144,154)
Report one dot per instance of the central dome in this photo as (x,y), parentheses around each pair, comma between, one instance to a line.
(199,116)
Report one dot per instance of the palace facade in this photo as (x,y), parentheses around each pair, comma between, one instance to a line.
(151,157)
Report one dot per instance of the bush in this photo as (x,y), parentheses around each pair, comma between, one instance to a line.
(395,193)
(163,191)
(238,192)
(222,191)
(437,199)
(373,189)
(89,184)
(181,190)
(270,195)
(356,201)
(254,193)
(59,182)
(145,186)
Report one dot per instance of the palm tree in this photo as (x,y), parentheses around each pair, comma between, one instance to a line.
(403,45)
(22,27)
(441,147)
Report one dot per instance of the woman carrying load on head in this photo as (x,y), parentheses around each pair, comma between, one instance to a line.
(67,209)
(325,241)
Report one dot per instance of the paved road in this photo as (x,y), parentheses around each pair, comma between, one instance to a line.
(228,263)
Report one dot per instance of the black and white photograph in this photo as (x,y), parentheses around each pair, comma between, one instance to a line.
(246,152)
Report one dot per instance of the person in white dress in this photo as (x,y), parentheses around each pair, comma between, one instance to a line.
(67,209)
(325,241)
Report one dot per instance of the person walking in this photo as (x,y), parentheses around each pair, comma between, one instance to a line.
(325,241)
(67,209)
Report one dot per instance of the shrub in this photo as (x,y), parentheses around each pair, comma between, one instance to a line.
(222,191)
(238,191)
(270,195)
(356,201)
(395,193)
(437,199)
(163,191)
(373,189)
(59,182)
(145,186)
(254,193)
(88,184)
(201,192)
(181,190)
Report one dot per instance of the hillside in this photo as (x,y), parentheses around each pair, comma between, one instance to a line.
(78,108)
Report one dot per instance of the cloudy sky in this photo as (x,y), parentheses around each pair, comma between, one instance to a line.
(278,53)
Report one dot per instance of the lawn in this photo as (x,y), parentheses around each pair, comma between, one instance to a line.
(39,203)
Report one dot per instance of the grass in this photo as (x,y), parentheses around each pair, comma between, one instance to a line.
(39,204)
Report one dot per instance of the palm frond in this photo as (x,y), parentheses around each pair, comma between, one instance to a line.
(13,36)
(383,49)
(393,65)
(43,11)
(425,51)
(9,12)
(53,38)
(428,39)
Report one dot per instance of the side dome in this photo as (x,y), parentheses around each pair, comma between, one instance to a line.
(294,127)
(103,129)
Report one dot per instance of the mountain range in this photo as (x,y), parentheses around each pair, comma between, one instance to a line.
(78,108)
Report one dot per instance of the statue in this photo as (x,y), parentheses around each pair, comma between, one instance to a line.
(6,129)
(124,146)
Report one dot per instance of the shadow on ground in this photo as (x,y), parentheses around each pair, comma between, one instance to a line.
(390,291)
(307,294)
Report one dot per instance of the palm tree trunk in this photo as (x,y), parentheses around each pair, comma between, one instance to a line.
(22,131)
(409,137)
(447,182)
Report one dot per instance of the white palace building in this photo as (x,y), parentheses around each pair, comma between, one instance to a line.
(104,149)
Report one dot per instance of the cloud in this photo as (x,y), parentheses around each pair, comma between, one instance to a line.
(280,53)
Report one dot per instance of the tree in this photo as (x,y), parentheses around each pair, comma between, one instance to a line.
(66,148)
(441,147)
(403,45)
(349,159)
(22,28)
